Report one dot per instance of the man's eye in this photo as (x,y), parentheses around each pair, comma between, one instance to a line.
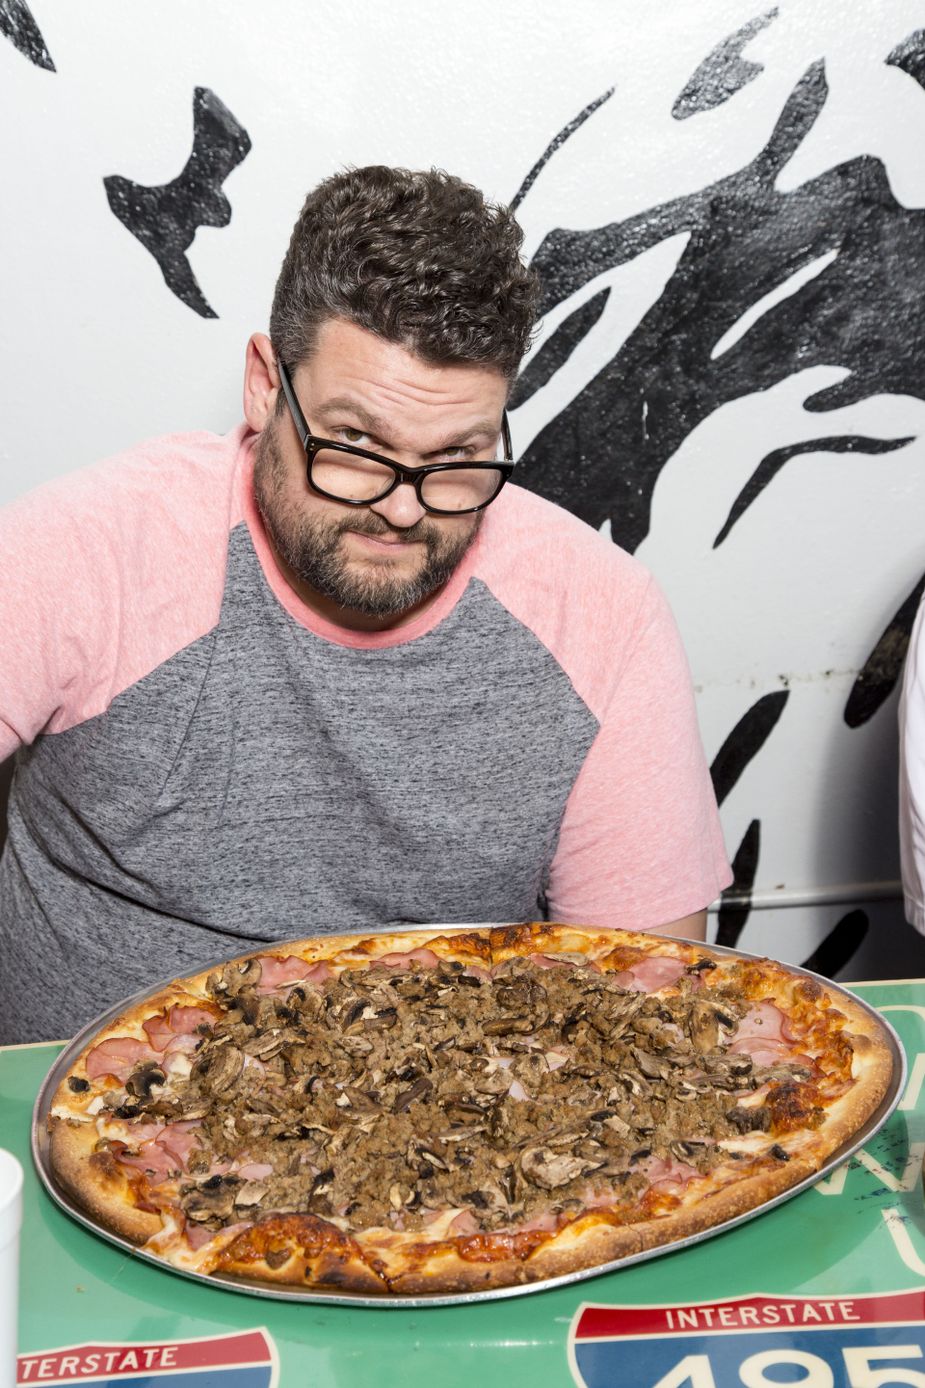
(351,435)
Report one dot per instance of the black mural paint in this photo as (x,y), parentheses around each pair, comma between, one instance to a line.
(838,947)
(745,741)
(735,904)
(723,73)
(602,454)
(772,463)
(910,56)
(18,25)
(555,143)
(882,668)
(165,219)
(559,347)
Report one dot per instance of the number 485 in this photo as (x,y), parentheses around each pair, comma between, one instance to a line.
(694,1371)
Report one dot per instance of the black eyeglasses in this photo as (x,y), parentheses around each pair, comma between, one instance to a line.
(356,477)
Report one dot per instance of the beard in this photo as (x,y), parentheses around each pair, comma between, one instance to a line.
(312,545)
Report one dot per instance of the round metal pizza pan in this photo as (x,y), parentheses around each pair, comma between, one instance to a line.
(254,1288)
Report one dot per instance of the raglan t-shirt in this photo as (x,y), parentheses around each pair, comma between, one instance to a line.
(205,766)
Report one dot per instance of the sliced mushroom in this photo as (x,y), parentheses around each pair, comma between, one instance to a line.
(144,1079)
(383,1020)
(265,1046)
(234,978)
(458,1107)
(251,1193)
(407,1097)
(548,1169)
(219,1069)
(704,1027)
(213,1200)
(505,1026)
(650,1065)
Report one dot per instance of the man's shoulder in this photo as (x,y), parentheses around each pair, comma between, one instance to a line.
(583,598)
(187,478)
(530,541)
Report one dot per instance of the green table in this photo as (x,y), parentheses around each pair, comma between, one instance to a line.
(861,1231)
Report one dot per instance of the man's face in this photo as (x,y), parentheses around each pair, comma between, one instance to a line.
(375,565)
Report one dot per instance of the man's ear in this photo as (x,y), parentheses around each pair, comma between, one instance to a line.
(261,381)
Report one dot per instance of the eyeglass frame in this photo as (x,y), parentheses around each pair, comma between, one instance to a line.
(414,476)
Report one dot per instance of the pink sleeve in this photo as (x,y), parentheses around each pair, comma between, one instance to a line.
(107,572)
(50,594)
(640,844)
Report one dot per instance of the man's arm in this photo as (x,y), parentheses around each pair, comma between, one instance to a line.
(640,845)
(688,927)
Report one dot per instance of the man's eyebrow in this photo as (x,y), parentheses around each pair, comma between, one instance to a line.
(379,428)
(342,404)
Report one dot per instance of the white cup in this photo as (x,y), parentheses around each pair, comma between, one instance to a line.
(10,1221)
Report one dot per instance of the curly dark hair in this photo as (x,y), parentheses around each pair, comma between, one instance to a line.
(421,259)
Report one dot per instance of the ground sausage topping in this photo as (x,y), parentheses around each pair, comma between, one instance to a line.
(388,1095)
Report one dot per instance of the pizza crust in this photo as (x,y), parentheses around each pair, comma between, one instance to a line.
(306,1250)
(97,1182)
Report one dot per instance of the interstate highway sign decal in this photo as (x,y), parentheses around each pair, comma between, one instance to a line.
(247,1359)
(758,1341)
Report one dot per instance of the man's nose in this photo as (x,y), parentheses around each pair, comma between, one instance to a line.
(400,508)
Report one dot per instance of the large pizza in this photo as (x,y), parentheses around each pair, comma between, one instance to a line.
(458,1110)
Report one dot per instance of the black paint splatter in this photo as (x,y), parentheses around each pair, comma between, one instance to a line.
(741,746)
(745,741)
(723,72)
(910,56)
(772,463)
(555,143)
(864,312)
(838,947)
(736,904)
(882,668)
(559,347)
(18,25)
(165,219)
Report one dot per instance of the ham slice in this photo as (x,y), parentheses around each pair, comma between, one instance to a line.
(143,1132)
(546,1223)
(254,1170)
(180,1021)
(182,1045)
(183,1020)
(657,971)
(279,975)
(763,1034)
(401,960)
(157,1029)
(543,961)
(762,1020)
(178,1139)
(164,1153)
(761,1052)
(118,1057)
(464,1223)
(197,1235)
(665,1174)
(154,1160)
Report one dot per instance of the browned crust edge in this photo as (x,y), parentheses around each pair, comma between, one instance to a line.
(97,1183)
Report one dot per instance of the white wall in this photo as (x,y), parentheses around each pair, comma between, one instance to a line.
(98,352)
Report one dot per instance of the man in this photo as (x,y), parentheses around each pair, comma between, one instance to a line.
(329,673)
